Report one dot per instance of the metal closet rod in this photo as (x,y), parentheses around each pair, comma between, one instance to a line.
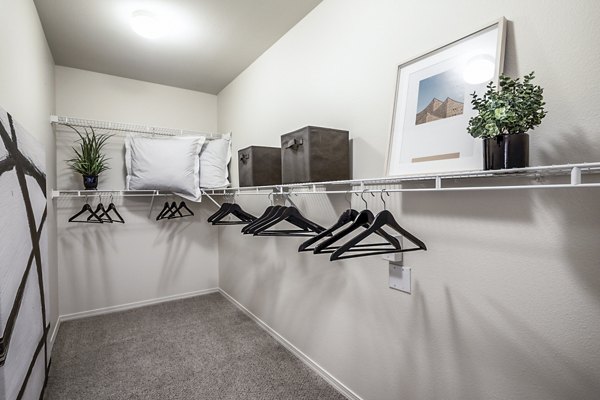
(129,128)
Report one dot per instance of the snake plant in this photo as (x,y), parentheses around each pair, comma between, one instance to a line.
(89,159)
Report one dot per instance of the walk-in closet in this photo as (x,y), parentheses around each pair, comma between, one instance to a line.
(299,200)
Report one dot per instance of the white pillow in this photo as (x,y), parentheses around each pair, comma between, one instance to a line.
(214,159)
(169,164)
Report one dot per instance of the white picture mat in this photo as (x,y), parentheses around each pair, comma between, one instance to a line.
(448,135)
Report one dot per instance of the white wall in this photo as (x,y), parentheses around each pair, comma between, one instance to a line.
(111,265)
(506,301)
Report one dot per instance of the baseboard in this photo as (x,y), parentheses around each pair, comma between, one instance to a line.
(335,383)
(128,306)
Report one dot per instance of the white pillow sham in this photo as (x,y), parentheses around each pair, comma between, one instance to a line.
(169,164)
(214,160)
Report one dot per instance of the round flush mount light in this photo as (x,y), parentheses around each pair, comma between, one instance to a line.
(146,24)
(479,69)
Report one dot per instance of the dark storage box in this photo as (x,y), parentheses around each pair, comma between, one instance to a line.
(259,166)
(314,154)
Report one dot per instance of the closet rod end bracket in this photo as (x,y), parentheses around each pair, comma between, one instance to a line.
(400,278)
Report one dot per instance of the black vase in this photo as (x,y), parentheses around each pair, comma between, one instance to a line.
(506,151)
(90,182)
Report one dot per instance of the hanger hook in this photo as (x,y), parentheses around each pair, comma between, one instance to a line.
(362,196)
(271,198)
(348,199)
(386,192)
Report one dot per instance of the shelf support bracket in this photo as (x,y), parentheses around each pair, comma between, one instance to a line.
(155,192)
(576,176)
(211,199)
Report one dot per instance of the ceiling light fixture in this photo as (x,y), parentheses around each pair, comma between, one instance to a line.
(146,24)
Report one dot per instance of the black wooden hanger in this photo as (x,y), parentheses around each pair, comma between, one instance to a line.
(174,211)
(232,209)
(95,219)
(347,217)
(266,215)
(383,219)
(224,209)
(101,213)
(178,211)
(292,215)
(113,208)
(167,210)
(362,220)
(105,215)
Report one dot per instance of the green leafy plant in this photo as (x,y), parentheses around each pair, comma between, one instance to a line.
(516,107)
(89,160)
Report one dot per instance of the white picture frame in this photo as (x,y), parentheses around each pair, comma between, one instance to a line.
(429,133)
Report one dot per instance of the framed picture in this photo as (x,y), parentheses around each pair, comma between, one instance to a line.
(433,104)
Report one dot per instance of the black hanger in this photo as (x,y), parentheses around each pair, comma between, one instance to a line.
(266,215)
(293,216)
(222,210)
(383,219)
(362,220)
(168,209)
(101,213)
(87,208)
(347,217)
(236,211)
(177,213)
(113,208)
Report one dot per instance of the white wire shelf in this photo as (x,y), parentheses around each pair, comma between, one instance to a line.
(122,127)
(57,193)
(528,178)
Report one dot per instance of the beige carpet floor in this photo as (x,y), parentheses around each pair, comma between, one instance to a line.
(198,348)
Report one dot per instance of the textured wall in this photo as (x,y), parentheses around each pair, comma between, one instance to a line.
(27,92)
(506,301)
(110,265)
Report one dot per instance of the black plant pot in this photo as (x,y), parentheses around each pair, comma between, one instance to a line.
(90,182)
(506,151)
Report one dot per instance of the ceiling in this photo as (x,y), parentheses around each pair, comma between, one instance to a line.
(207,43)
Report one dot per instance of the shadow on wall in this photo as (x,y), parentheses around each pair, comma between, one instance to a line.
(489,206)
(577,213)
(172,232)
(92,252)
(525,354)
(573,146)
